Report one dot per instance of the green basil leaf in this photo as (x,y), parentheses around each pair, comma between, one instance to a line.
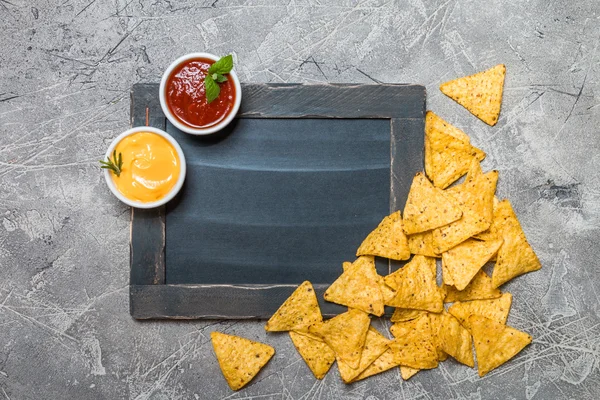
(212,89)
(221,78)
(223,66)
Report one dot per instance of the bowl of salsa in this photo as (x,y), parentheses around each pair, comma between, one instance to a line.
(183,95)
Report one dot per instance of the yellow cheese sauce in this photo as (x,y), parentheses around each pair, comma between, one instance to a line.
(151,167)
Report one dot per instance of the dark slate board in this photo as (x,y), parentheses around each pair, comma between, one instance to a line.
(284,195)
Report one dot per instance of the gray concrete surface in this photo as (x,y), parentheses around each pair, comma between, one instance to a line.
(66,68)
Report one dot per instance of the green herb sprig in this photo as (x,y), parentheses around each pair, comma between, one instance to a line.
(115,165)
(216,74)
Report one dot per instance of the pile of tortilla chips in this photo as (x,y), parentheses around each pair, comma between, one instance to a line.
(461,227)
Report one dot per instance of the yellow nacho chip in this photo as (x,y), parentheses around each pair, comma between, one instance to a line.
(447,277)
(480,288)
(383,363)
(240,359)
(466,259)
(407,372)
(299,311)
(448,151)
(494,309)
(515,257)
(435,322)
(387,240)
(476,198)
(415,286)
(422,243)
(455,340)
(375,345)
(358,287)
(493,232)
(345,334)
(406,314)
(495,343)
(387,292)
(413,346)
(428,207)
(480,93)
(317,354)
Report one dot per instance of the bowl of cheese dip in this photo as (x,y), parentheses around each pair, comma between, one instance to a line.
(153,167)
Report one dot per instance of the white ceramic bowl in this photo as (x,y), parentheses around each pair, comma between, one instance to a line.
(174,190)
(186,128)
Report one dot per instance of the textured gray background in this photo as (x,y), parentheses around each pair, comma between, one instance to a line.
(66,68)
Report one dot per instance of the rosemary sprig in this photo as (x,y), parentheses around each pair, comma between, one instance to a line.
(115,165)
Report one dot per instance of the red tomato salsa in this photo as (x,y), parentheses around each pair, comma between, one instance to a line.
(186,97)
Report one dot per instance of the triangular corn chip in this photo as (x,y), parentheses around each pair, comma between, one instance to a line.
(480,288)
(435,322)
(480,93)
(375,345)
(415,286)
(240,359)
(358,287)
(466,259)
(384,362)
(494,309)
(406,314)
(455,340)
(407,372)
(493,232)
(476,198)
(345,334)
(447,277)
(387,240)
(413,345)
(316,353)
(299,311)
(387,293)
(428,207)
(515,257)
(422,243)
(495,343)
(448,151)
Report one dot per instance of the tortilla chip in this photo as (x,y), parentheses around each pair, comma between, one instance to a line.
(455,340)
(494,309)
(375,345)
(476,198)
(300,310)
(495,343)
(447,277)
(448,151)
(493,232)
(413,346)
(317,354)
(408,372)
(383,363)
(406,314)
(358,287)
(387,240)
(345,334)
(346,265)
(480,93)
(428,207)
(480,288)
(435,322)
(240,359)
(415,286)
(515,257)
(422,243)
(387,293)
(466,259)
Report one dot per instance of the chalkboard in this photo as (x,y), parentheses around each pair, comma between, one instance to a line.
(285,194)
